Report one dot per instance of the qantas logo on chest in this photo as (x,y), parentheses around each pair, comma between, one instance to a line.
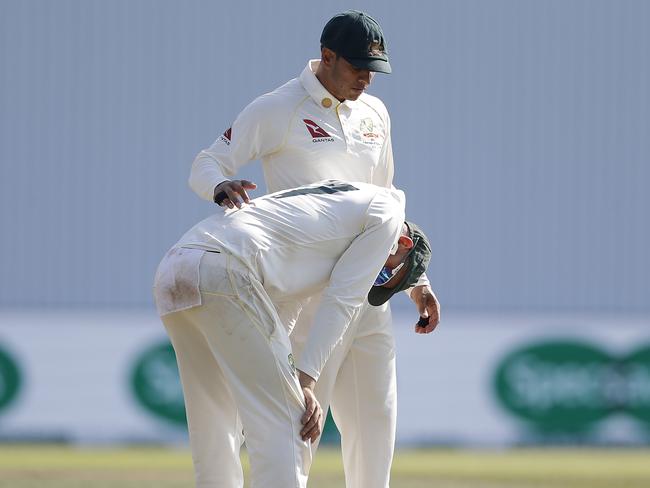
(317,132)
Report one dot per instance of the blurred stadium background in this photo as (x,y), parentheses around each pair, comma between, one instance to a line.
(521,131)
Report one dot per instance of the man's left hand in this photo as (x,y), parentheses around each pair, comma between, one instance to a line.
(428,306)
(312,420)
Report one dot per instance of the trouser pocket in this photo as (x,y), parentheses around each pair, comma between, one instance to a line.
(214,275)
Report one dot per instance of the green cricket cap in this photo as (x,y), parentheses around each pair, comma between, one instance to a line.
(417,261)
(359,39)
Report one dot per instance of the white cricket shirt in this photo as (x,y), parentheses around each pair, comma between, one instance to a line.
(332,237)
(302,134)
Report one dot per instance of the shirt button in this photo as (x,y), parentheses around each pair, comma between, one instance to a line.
(326,102)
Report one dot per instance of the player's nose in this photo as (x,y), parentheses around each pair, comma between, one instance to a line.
(365,77)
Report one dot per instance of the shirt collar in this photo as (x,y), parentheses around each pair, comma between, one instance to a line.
(317,91)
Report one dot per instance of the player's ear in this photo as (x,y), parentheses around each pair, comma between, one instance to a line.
(327,56)
(405,242)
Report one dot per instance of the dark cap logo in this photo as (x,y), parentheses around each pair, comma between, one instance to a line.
(376,48)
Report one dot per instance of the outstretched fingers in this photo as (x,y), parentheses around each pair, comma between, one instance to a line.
(233,193)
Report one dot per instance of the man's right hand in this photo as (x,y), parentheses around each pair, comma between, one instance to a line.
(232,193)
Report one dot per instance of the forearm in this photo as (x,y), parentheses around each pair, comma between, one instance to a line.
(205,175)
(422,281)
(330,323)
(305,380)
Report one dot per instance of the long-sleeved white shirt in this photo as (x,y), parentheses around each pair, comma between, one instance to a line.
(301,140)
(302,134)
(332,237)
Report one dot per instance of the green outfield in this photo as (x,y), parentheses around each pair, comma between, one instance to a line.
(23,466)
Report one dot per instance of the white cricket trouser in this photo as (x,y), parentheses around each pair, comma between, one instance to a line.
(358,383)
(233,358)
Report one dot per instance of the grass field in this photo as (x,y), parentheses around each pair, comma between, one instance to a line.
(58,467)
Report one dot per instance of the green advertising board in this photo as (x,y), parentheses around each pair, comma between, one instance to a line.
(570,386)
(156,384)
(10,379)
